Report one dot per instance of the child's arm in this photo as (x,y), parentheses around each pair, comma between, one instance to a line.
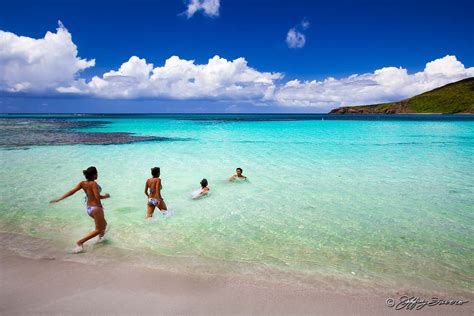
(97,195)
(146,189)
(157,188)
(68,194)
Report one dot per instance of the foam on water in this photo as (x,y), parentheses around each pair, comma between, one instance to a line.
(374,201)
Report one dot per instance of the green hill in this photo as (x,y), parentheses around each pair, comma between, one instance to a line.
(456,97)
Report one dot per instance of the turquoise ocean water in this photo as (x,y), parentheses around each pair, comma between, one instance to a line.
(387,202)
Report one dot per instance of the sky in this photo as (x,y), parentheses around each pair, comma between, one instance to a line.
(227,56)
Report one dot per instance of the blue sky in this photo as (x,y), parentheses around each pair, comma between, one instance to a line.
(341,38)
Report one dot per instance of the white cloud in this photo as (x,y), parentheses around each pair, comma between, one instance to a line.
(28,64)
(209,7)
(183,79)
(295,37)
(51,65)
(383,85)
(222,79)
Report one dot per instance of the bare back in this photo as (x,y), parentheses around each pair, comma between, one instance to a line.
(91,189)
(154,186)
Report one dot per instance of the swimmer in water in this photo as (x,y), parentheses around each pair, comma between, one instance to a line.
(238,175)
(203,191)
(153,192)
(94,207)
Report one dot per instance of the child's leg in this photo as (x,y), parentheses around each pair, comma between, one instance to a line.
(100,224)
(150,209)
(162,206)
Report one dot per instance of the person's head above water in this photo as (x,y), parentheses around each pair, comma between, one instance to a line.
(90,173)
(204,183)
(155,172)
(239,171)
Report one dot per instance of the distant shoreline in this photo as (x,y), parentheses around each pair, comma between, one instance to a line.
(453,98)
(299,116)
(389,114)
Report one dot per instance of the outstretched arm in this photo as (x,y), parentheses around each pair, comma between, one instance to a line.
(68,194)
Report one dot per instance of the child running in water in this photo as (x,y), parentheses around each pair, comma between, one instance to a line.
(94,207)
(153,192)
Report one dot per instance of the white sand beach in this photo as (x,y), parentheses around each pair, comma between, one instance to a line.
(54,287)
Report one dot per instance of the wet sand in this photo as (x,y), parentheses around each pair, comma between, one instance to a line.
(53,287)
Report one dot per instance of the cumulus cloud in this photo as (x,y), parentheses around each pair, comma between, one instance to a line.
(183,79)
(383,85)
(29,65)
(223,79)
(208,7)
(295,38)
(51,65)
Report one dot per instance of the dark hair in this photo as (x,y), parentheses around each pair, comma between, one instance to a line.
(155,172)
(90,173)
(204,183)
(239,169)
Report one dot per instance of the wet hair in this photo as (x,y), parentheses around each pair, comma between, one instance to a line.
(204,183)
(90,173)
(155,172)
(239,169)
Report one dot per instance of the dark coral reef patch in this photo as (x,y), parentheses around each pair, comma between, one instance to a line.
(26,132)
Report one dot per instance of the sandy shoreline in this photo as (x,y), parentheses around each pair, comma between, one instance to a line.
(45,286)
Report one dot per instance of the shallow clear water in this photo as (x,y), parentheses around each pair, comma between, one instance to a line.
(388,201)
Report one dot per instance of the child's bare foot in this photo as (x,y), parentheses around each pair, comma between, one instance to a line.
(78,249)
